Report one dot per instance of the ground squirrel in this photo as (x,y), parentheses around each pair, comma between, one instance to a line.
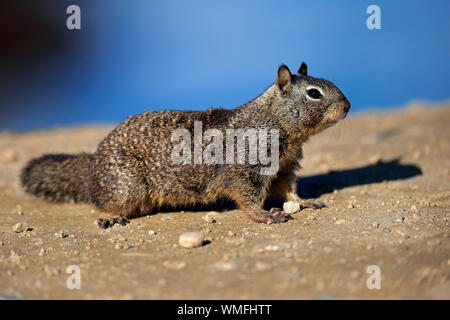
(133,173)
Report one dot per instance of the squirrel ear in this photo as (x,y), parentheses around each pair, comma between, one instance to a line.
(284,77)
(303,70)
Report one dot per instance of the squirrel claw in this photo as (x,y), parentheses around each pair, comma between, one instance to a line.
(108,223)
(313,204)
(275,215)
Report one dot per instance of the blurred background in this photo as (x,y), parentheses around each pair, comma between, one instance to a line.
(132,56)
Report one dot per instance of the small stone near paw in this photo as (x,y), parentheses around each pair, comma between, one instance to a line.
(191,239)
(208,219)
(20,227)
(291,207)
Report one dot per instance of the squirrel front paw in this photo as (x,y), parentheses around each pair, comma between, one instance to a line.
(313,204)
(306,203)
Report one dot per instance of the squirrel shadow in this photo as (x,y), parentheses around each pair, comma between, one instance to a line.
(316,185)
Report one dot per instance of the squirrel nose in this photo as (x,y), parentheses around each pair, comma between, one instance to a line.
(346,105)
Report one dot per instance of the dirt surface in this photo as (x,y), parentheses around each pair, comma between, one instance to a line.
(385,178)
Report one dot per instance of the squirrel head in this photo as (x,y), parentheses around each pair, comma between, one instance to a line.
(305,102)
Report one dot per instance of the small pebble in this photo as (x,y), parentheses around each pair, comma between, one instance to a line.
(224,265)
(262,266)
(151,232)
(123,246)
(273,248)
(8,156)
(375,159)
(191,239)
(328,249)
(60,234)
(208,219)
(11,296)
(175,265)
(291,207)
(20,227)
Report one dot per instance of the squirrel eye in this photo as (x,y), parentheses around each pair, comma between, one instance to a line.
(314,93)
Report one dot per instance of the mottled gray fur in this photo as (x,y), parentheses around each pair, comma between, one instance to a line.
(131,172)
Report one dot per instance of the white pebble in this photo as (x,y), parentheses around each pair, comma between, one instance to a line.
(208,219)
(175,265)
(273,248)
(20,227)
(291,207)
(8,156)
(262,266)
(224,265)
(191,239)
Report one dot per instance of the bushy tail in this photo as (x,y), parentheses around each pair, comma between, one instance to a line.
(58,177)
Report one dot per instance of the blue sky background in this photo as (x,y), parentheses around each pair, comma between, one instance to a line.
(132,56)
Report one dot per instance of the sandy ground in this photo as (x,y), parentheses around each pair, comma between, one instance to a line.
(385,178)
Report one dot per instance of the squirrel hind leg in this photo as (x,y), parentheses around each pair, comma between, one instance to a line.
(122,215)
